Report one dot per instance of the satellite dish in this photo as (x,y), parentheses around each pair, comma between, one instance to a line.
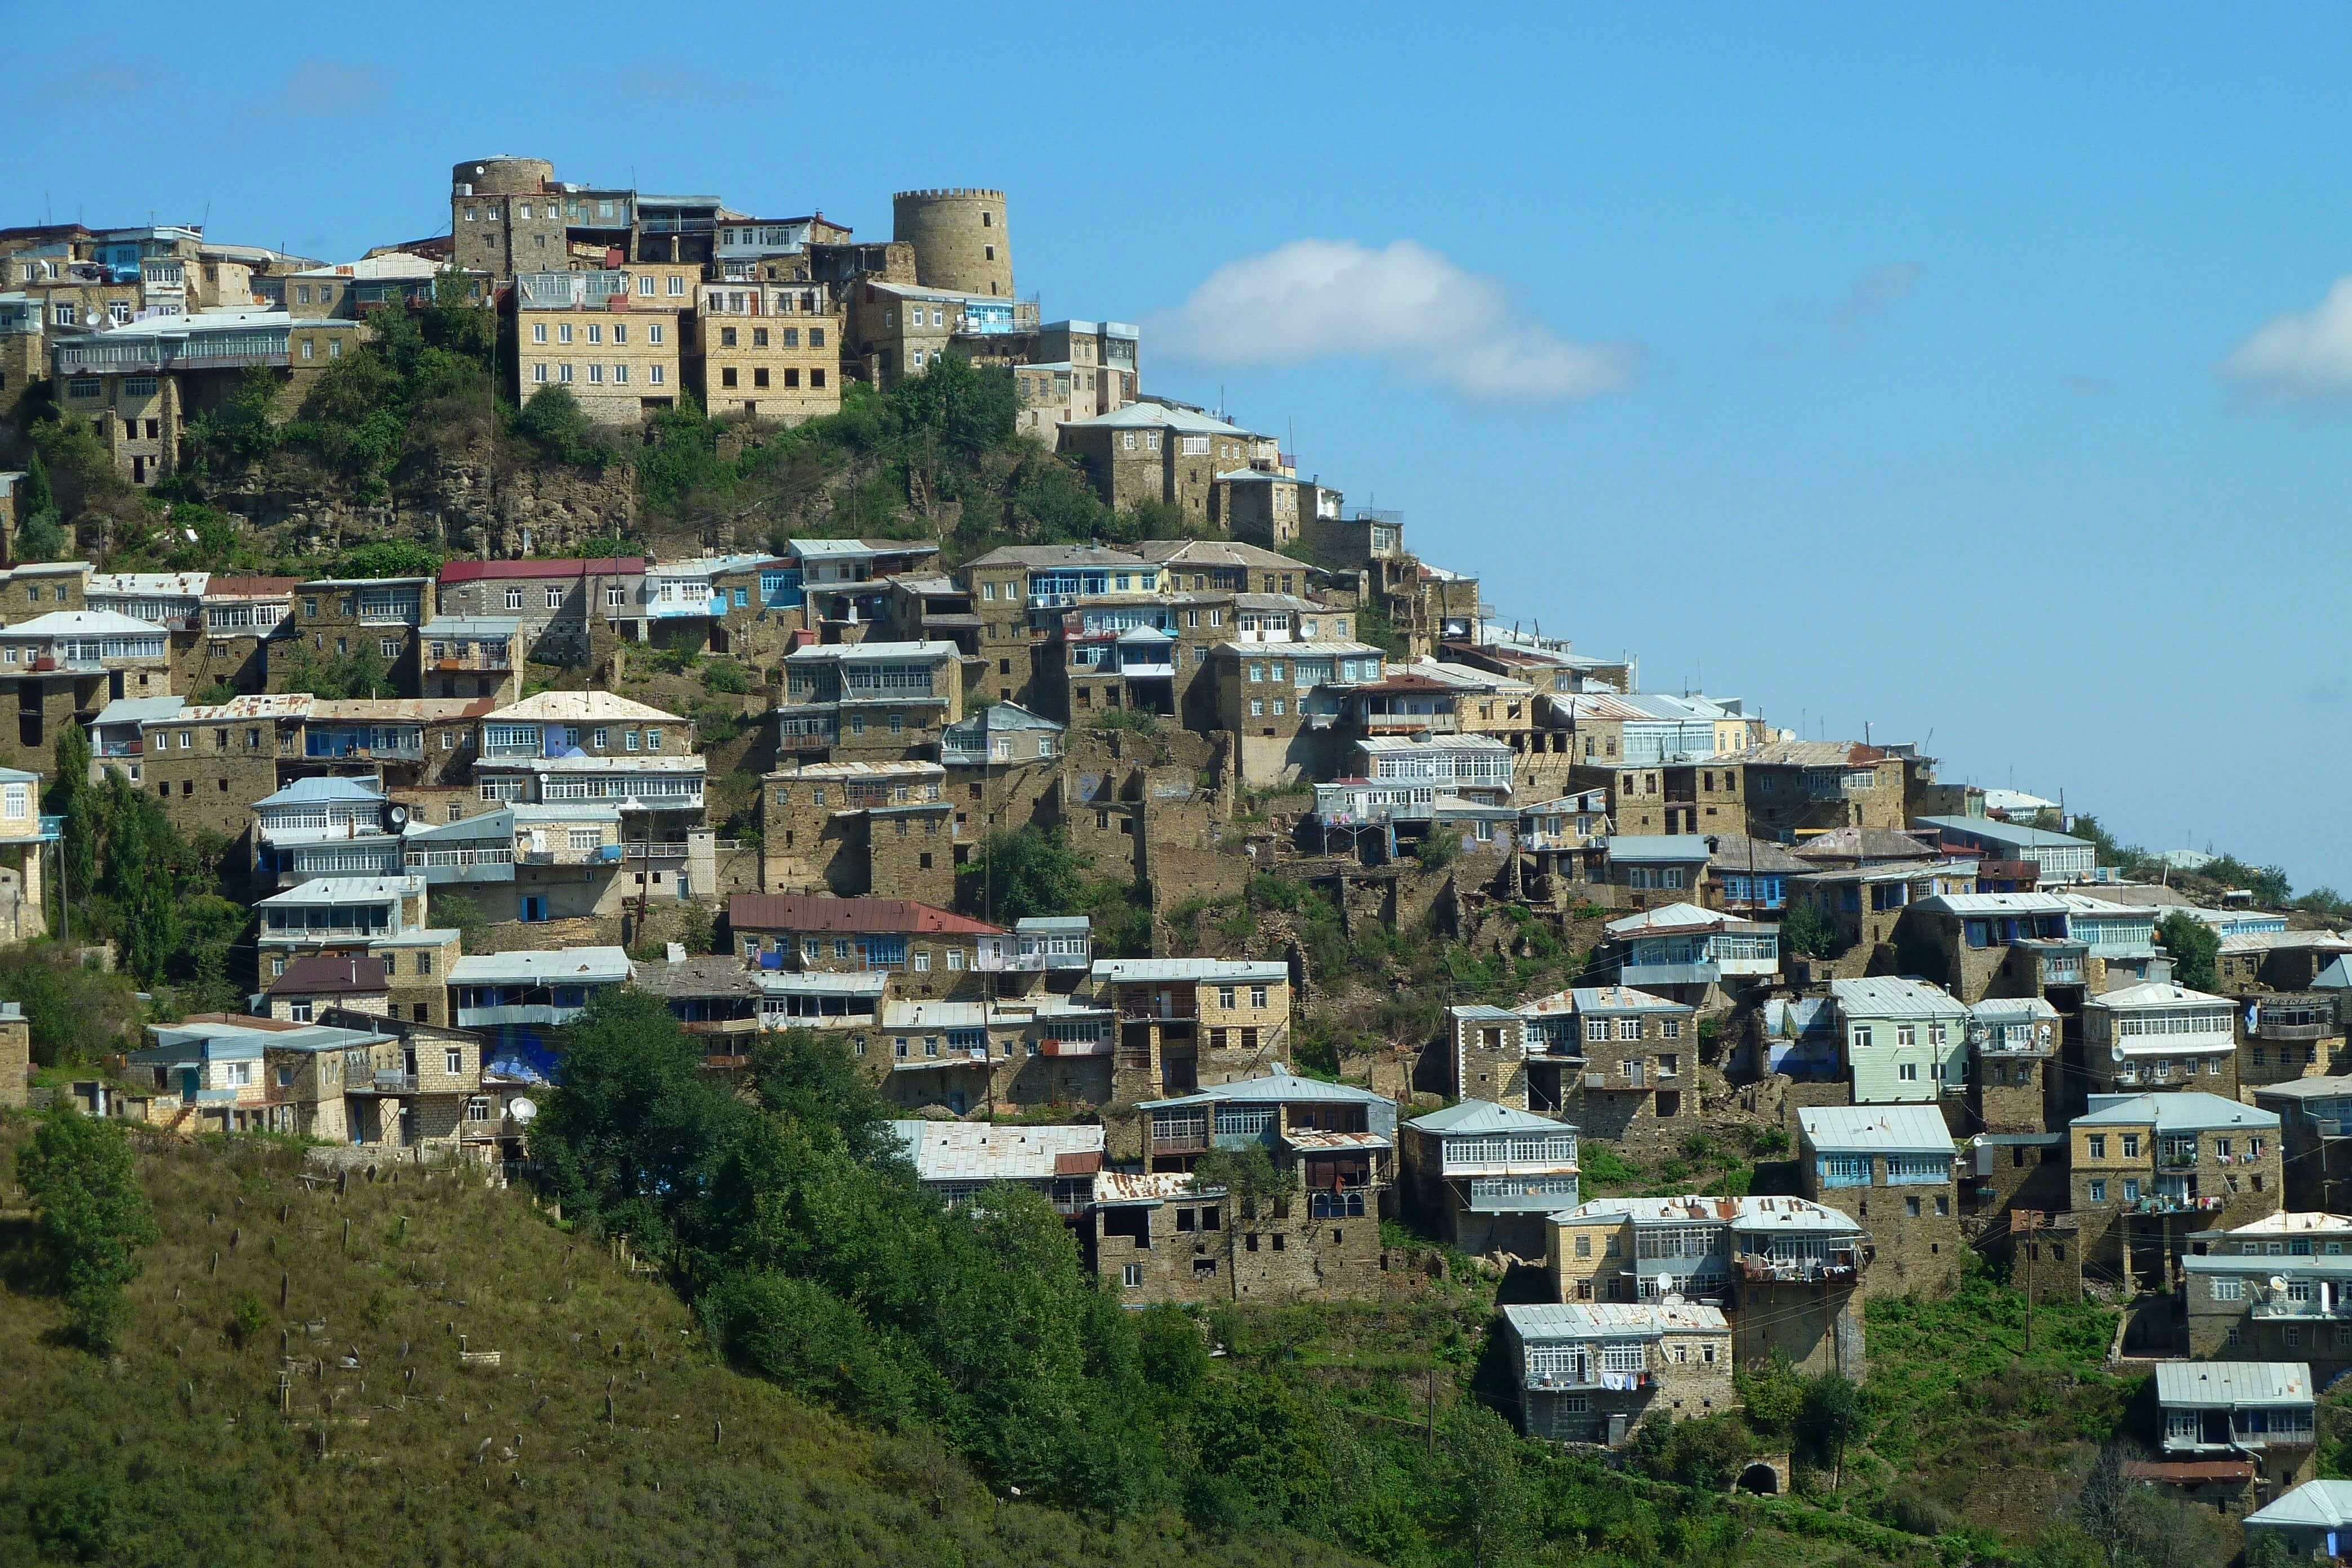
(2278,1282)
(2116,1052)
(399,815)
(522,1109)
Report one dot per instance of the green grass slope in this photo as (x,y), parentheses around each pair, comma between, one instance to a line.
(604,1433)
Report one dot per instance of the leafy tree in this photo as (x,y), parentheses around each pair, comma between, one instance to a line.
(1834,1415)
(2195,948)
(2269,886)
(1174,1358)
(389,557)
(1248,1173)
(1027,872)
(1484,1497)
(966,410)
(1804,930)
(812,1078)
(554,422)
(362,673)
(245,428)
(1438,849)
(35,496)
(726,676)
(42,537)
(80,1174)
(72,796)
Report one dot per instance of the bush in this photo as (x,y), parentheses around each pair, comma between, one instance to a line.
(554,422)
(93,1217)
(727,677)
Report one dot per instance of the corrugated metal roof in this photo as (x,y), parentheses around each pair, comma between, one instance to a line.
(2326,1505)
(1614,999)
(2176,1110)
(978,1151)
(1282,1085)
(2012,1010)
(1553,1321)
(2010,835)
(492,627)
(2155,994)
(2226,1384)
(1652,848)
(1485,1116)
(1877,1129)
(786,982)
(1995,904)
(578,707)
(81,622)
(1117,1189)
(322,791)
(345,890)
(1211,971)
(402,710)
(1750,1214)
(140,710)
(1892,996)
(1669,918)
(819,913)
(574,966)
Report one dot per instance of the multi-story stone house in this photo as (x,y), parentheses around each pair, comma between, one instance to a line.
(1159,452)
(871,701)
(1591,1372)
(208,763)
(471,657)
(2147,1170)
(1398,791)
(1552,665)
(1796,788)
(2263,1412)
(344,617)
(1787,1270)
(1621,1064)
(1019,592)
(2286,1036)
(406,743)
(1159,1236)
(1290,702)
(534,863)
(1188,1021)
(962,1162)
(380,916)
(714,603)
(241,615)
(2254,960)
(311,986)
(325,826)
(897,330)
(2159,1036)
(887,829)
(557,603)
(118,741)
(591,747)
(1004,768)
(1983,945)
(765,352)
(926,607)
(65,667)
(1654,798)
(141,381)
(1104,360)
(1648,868)
(2055,857)
(936,954)
(349,290)
(1483,1175)
(844,589)
(211,1073)
(1906,1042)
(2013,1056)
(991,1054)
(1692,954)
(2276,1288)
(1863,905)
(42,587)
(615,339)
(2315,1122)
(517,1001)
(1893,1169)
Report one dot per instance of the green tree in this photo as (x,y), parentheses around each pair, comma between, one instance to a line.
(389,557)
(1018,875)
(35,496)
(1833,1417)
(81,1178)
(1248,1173)
(1482,1495)
(812,1078)
(554,422)
(1804,930)
(72,796)
(968,411)
(2195,948)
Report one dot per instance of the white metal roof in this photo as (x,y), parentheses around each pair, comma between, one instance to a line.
(1877,1129)
(1558,1320)
(575,965)
(345,890)
(980,1151)
(1148,971)
(577,707)
(2229,1385)
(82,624)
(1893,996)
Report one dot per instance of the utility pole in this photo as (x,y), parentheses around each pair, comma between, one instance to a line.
(2027,1223)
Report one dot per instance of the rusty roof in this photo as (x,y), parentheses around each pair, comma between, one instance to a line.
(816,911)
(321,974)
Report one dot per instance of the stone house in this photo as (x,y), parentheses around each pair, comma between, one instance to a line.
(1593,1372)
(2012,1051)
(1152,1237)
(536,863)
(2159,1036)
(517,1001)
(2286,1036)
(935,953)
(2315,1122)
(241,614)
(213,1073)
(768,353)
(2264,1411)
(208,765)
(2146,1170)
(995,1054)
(378,917)
(1694,955)
(313,984)
(1658,867)
(2280,1287)
(1863,905)
(1019,591)
(1901,1158)
(65,667)
(1795,789)
(2276,960)
(2313,1521)
(1995,944)
(1159,452)
(338,618)
(557,603)
(1483,1175)
(1286,703)
(613,338)
(1621,1063)
(851,829)
(2055,857)
(1184,1022)
(961,1162)
(846,588)
(872,702)
(730,605)
(1752,877)
(1788,1271)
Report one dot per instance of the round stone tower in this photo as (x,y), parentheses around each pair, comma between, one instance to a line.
(503,177)
(960,239)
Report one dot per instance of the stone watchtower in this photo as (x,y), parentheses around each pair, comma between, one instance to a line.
(960,239)
(483,213)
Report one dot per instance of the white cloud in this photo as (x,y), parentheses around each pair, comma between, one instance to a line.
(2300,356)
(1316,298)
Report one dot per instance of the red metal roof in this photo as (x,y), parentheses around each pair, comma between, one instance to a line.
(815,912)
(607,566)
(2189,1472)
(250,587)
(321,974)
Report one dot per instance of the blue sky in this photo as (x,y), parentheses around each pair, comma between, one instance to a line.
(1963,373)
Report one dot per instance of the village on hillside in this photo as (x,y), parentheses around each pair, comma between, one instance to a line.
(1287,752)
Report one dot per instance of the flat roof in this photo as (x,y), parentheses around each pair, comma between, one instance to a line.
(1877,1129)
(2228,1384)
(581,964)
(1554,1320)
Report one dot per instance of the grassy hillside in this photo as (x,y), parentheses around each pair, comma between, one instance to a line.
(175,1451)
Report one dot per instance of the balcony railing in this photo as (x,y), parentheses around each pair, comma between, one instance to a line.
(2318,1029)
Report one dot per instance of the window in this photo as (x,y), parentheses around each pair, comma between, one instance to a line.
(2098,1146)
(453,1060)
(1132,1276)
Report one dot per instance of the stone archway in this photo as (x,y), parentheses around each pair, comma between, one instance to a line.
(1766,1477)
